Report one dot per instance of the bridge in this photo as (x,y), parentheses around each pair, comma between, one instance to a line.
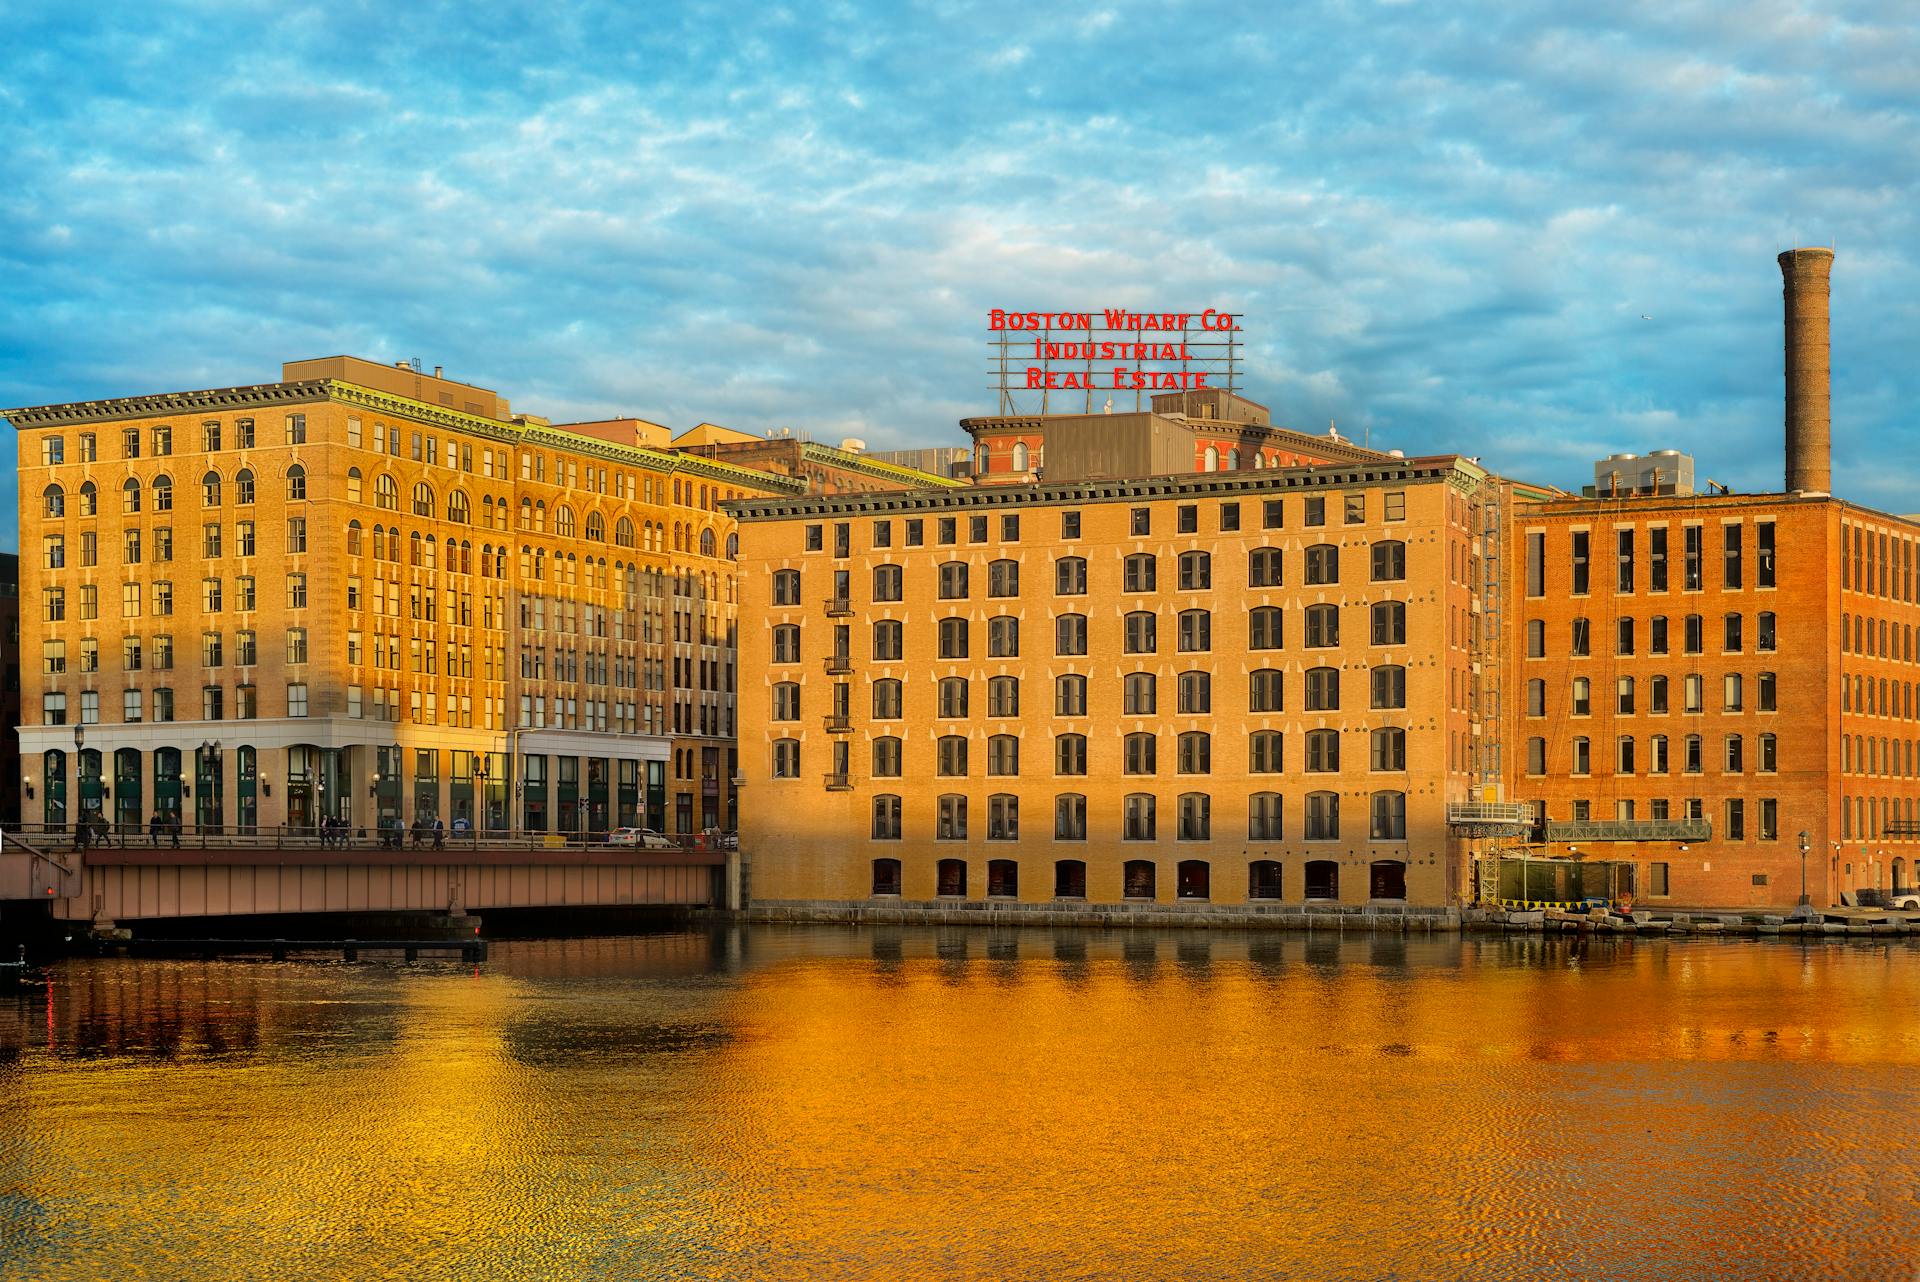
(118,877)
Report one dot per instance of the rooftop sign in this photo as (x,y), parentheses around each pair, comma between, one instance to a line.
(1042,358)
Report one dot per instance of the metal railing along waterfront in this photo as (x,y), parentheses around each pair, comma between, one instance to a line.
(166,836)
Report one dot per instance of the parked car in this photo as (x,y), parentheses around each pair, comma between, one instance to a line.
(644,838)
(1905,900)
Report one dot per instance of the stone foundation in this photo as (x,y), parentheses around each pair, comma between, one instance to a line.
(1392,918)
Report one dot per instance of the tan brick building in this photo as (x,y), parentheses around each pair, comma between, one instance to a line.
(1200,690)
(368,592)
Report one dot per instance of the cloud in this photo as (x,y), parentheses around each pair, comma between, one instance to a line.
(1444,226)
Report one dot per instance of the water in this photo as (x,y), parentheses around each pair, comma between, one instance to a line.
(902,1104)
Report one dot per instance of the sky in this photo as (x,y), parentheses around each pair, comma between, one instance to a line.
(1535,234)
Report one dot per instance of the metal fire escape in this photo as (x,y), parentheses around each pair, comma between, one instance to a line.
(1487,814)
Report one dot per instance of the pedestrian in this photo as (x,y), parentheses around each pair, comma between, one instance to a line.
(81,829)
(153,828)
(173,829)
(439,833)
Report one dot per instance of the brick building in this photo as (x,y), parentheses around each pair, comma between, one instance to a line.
(1200,690)
(371,593)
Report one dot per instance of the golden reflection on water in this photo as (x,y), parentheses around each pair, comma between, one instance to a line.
(792,1103)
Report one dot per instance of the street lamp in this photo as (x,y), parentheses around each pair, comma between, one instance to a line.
(79,737)
(1804,909)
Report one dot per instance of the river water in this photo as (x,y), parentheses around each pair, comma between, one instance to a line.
(819,1103)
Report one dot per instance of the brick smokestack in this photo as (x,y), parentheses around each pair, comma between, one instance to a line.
(1809,371)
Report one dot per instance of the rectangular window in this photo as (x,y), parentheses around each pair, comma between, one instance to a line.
(1580,541)
(1536,565)
(1356,506)
(296,645)
(1623,575)
(1316,512)
(1692,576)
(1229,516)
(1730,559)
(297,534)
(1273,514)
(1657,559)
(296,591)
(297,700)
(1069,525)
(1763,570)
(297,434)
(1396,505)
(947,531)
(1141,521)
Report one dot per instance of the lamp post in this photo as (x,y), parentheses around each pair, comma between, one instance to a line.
(1804,909)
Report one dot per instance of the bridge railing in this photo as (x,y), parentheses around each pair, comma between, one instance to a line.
(186,836)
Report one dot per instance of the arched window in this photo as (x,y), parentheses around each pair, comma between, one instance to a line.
(1389,622)
(53,500)
(1263,875)
(89,499)
(1263,818)
(886,827)
(243,486)
(950,875)
(1387,879)
(952,701)
(129,496)
(386,493)
(623,532)
(1210,460)
(1019,456)
(707,546)
(1323,626)
(422,499)
(353,538)
(1138,818)
(1137,878)
(1389,561)
(733,547)
(459,508)
(356,486)
(563,522)
(886,872)
(296,482)
(1193,878)
(596,527)
(163,494)
(1387,816)
(1233,460)
(1323,816)
(1322,879)
(1070,875)
(210,490)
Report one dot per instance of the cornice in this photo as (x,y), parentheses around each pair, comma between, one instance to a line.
(221,399)
(846,460)
(1445,469)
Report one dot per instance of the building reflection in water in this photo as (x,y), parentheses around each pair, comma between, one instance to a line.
(983,1103)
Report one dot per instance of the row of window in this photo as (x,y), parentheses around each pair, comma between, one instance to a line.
(1877,563)
(134,544)
(1139,878)
(1627,631)
(1140,573)
(159,597)
(1658,759)
(1313,513)
(245,652)
(1386,817)
(1733,694)
(1692,556)
(157,704)
(1140,754)
(53,499)
(1140,694)
(1140,633)
(53,448)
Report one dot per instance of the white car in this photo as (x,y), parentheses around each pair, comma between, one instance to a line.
(644,838)
(1905,900)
